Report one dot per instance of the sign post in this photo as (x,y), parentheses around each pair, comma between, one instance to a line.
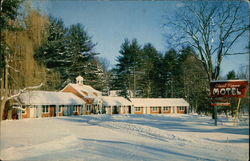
(225,89)
(237,111)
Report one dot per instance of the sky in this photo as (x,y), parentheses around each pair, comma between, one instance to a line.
(110,22)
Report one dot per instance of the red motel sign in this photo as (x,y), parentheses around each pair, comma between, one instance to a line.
(228,88)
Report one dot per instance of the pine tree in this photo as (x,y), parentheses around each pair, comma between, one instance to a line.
(231,75)
(128,67)
(149,74)
(170,73)
(193,81)
(68,52)
(54,54)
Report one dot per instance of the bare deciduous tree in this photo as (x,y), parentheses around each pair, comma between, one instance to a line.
(211,28)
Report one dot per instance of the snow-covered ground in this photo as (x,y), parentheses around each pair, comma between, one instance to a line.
(124,137)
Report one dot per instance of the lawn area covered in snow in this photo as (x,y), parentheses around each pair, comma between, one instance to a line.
(124,137)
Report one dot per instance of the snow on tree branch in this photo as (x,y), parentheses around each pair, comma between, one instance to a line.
(24,90)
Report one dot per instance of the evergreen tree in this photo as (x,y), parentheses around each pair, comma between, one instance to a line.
(68,51)
(150,75)
(81,53)
(127,67)
(231,75)
(54,53)
(193,79)
(8,14)
(169,69)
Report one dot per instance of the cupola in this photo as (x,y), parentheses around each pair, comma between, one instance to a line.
(79,80)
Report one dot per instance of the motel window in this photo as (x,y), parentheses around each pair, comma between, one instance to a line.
(137,109)
(89,107)
(75,108)
(182,108)
(155,109)
(165,108)
(45,108)
(24,110)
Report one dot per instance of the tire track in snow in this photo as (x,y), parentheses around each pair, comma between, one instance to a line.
(146,131)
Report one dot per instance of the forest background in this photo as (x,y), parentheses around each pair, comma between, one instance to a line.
(40,49)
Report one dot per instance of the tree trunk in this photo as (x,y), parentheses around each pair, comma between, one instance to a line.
(2,109)
(5,88)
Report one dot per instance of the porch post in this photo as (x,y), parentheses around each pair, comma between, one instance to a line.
(57,110)
(20,113)
(132,109)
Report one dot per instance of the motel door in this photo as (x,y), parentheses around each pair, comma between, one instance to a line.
(65,111)
(174,109)
(53,111)
(115,110)
(129,109)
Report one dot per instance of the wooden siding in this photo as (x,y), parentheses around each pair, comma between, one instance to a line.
(168,111)
(52,112)
(140,112)
(180,111)
(124,110)
(27,113)
(72,90)
(62,112)
(155,112)
(78,111)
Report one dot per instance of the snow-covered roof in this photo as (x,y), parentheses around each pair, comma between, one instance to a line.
(113,93)
(50,98)
(146,102)
(115,101)
(85,90)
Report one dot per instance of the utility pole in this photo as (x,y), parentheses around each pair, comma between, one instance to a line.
(215,115)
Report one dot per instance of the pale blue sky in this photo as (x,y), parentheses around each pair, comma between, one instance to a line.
(110,22)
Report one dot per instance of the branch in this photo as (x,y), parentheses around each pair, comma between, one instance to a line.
(234,40)
(1,8)
(237,53)
(8,66)
(23,90)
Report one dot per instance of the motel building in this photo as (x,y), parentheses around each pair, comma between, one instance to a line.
(34,104)
(80,99)
(159,105)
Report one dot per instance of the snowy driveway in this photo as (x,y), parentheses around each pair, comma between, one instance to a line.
(123,137)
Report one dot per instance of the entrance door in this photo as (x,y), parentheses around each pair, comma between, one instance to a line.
(52,111)
(174,109)
(129,109)
(115,110)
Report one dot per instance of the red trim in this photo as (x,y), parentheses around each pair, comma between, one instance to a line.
(220,104)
